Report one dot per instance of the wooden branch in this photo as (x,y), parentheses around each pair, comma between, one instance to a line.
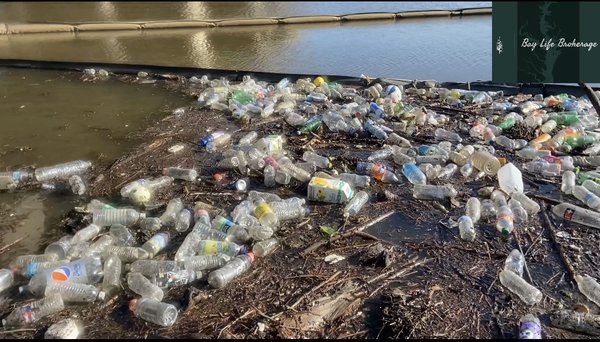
(591,95)
(558,246)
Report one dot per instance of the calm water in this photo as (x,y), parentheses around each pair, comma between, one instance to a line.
(57,11)
(50,118)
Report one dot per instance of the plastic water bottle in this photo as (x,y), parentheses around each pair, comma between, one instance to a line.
(488,209)
(87,270)
(320,161)
(218,142)
(60,247)
(258,233)
(154,311)
(38,267)
(571,212)
(169,279)
(466,228)
(517,285)
(209,247)
(111,281)
(395,139)
(107,217)
(98,247)
(269,176)
(356,204)
(434,192)
(234,268)
(205,262)
(183,220)
(587,197)
(504,220)
(189,175)
(467,169)
(519,213)
(74,292)
(377,171)
(127,254)
(528,204)
(77,250)
(515,262)
(248,139)
(157,243)
(121,235)
(265,214)
(22,261)
(375,130)
(530,327)
(34,311)
(174,206)
(589,287)
(568,182)
(486,162)
(265,247)
(62,170)
(413,174)
(288,211)
(442,134)
(6,279)
(77,185)
(151,267)
(150,224)
(142,286)
(66,329)
(473,209)
(356,181)
(447,171)
(86,234)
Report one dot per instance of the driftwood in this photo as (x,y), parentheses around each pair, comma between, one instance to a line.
(576,321)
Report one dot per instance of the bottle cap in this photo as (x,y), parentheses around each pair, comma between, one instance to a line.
(133,304)
(101,295)
(251,255)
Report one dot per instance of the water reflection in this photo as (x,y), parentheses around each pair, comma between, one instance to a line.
(161,10)
(452,49)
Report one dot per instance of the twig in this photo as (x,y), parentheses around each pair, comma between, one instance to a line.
(13,243)
(558,246)
(350,232)
(17,330)
(248,313)
(211,193)
(314,289)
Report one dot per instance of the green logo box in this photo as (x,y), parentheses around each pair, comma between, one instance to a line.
(546,42)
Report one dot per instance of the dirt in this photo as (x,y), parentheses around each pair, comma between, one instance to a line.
(437,286)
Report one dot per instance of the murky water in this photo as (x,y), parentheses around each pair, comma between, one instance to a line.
(49,117)
(161,10)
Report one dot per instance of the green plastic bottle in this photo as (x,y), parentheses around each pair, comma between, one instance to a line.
(565,118)
(311,125)
(580,141)
(508,123)
(242,97)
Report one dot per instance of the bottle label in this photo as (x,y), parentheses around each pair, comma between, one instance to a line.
(530,331)
(215,247)
(378,171)
(168,279)
(589,197)
(568,214)
(223,224)
(507,217)
(74,272)
(262,210)
(158,242)
(28,314)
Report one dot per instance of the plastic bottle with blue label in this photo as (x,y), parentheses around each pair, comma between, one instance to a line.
(157,243)
(414,174)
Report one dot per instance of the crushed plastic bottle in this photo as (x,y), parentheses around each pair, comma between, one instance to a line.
(142,286)
(154,311)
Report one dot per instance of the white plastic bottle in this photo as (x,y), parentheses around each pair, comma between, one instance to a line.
(587,197)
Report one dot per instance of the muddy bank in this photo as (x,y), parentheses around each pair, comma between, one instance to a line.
(436,285)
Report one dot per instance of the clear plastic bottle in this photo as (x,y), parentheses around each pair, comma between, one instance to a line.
(111,281)
(189,175)
(486,162)
(519,213)
(589,184)
(375,130)
(154,311)
(150,224)
(66,329)
(528,204)
(295,119)
(356,204)
(442,134)
(448,171)
(589,287)
(157,243)
(174,206)
(248,139)
(530,327)
(77,185)
(209,247)
(259,233)
(6,279)
(568,182)
(74,292)
(381,154)
(577,214)
(126,253)
(269,176)
(473,209)
(107,217)
(462,156)
(21,262)
(499,198)
(97,205)
(467,169)
(34,311)
(254,195)
(98,247)
(234,268)
(218,142)
(540,166)
(466,228)
(201,215)
(488,209)
(504,220)
(121,235)
(87,270)
(142,286)
(183,220)
(320,161)
(38,267)
(151,267)
(205,262)
(587,197)
(265,214)
(86,234)
(356,181)
(517,285)
(532,153)
(377,171)
(434,192)
(515,262)
(286,211)
(63,170)
(265,247)
(78,249)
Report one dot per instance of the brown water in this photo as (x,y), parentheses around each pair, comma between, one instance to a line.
(49,117)
(57,11)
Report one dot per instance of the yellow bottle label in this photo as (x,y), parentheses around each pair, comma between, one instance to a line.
(214,247)
(262,209)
